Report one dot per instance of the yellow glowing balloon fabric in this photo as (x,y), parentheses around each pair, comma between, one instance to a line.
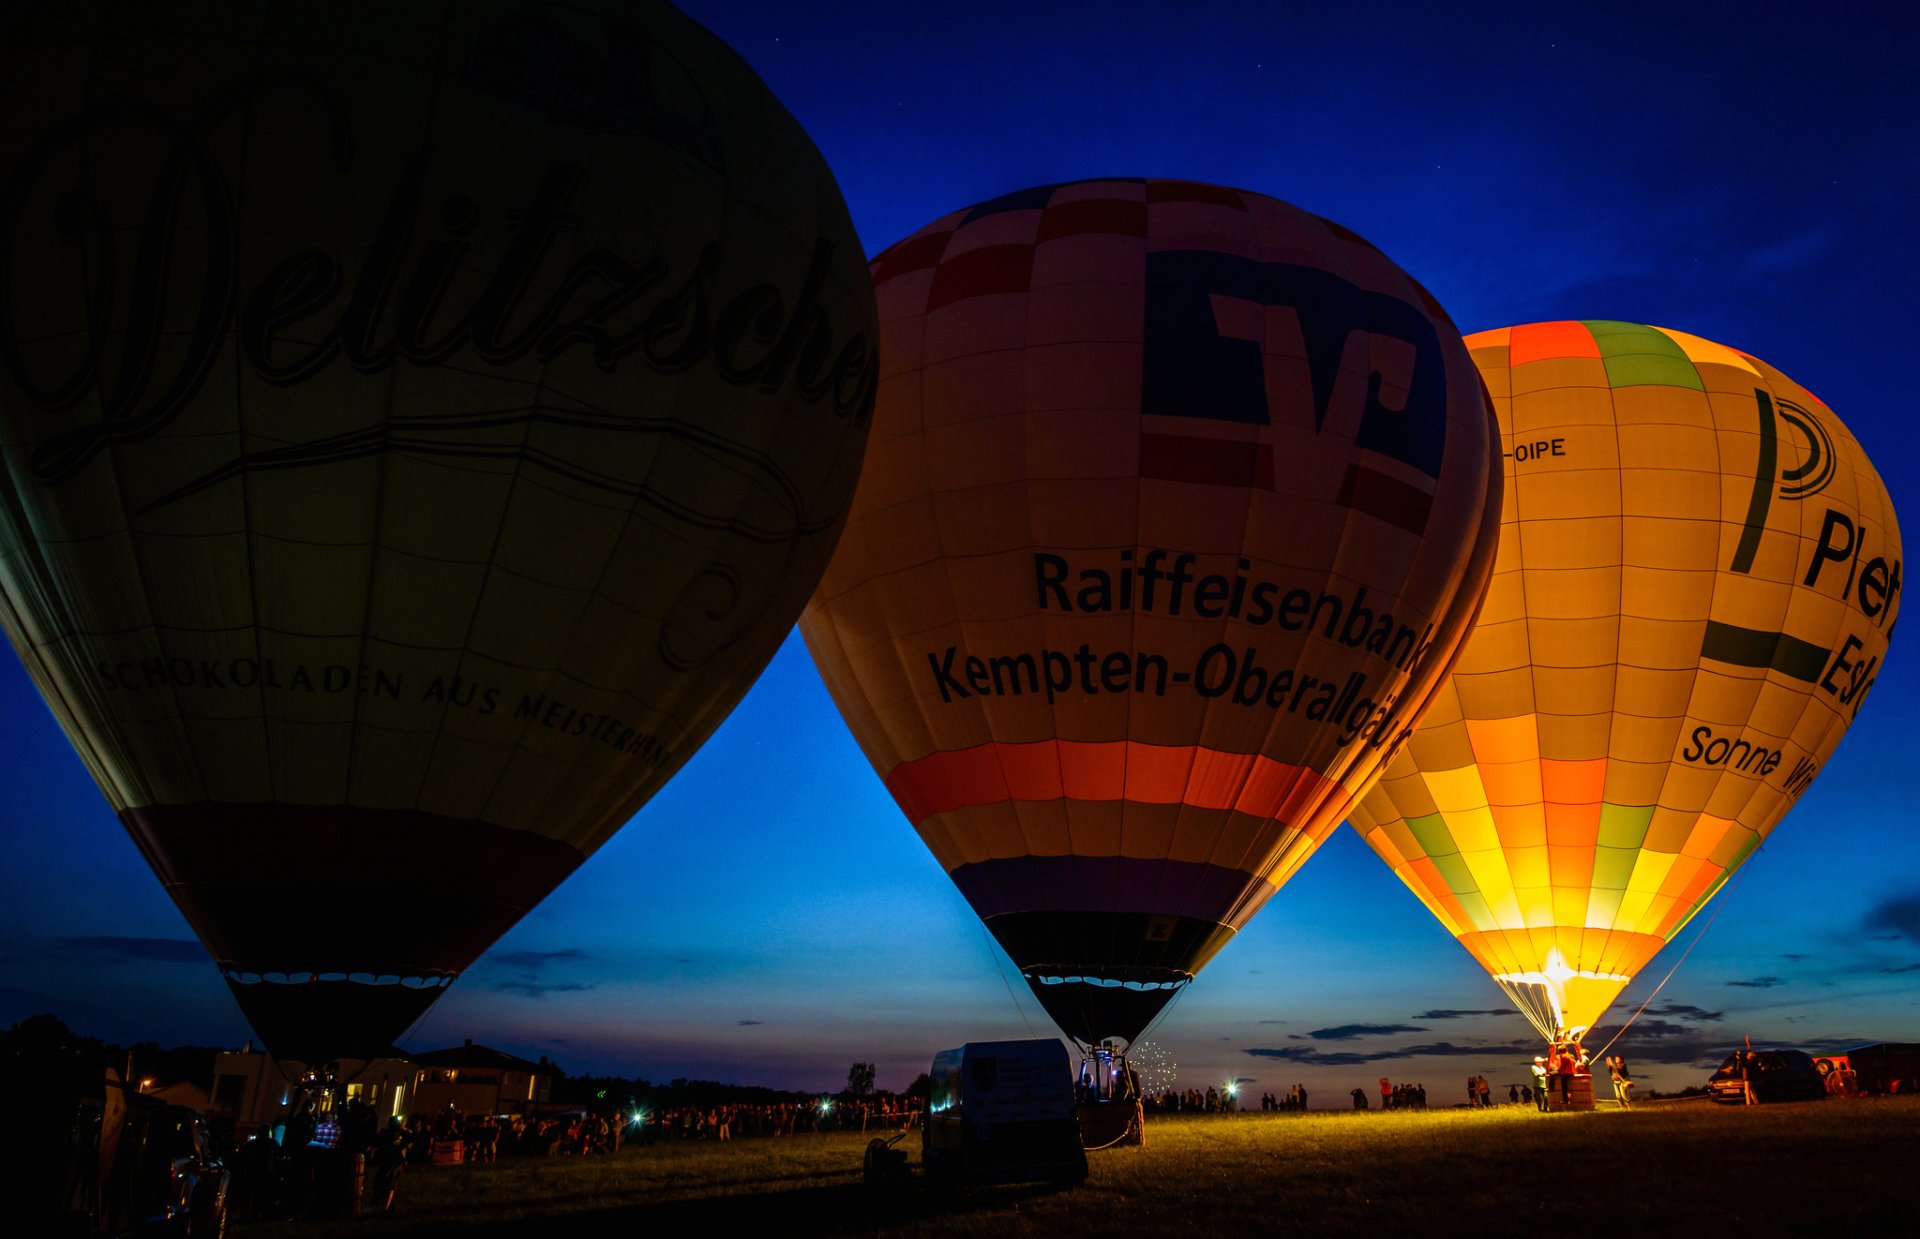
(1178,505)
(421,424)
(1698,574)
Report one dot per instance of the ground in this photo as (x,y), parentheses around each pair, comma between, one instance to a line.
(1689,1167)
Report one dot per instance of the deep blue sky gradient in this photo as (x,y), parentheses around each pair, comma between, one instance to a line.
(1747,173)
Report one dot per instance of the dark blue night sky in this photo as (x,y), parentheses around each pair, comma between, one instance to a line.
(1743,172)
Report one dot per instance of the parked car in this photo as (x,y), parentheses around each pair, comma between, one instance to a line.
(1776,1075)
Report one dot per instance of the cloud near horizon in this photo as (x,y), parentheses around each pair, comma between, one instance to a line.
(1346,1032)
(534,961)
(1461,1013)
(1314,1056)
(535,990)
(1757,983)
(1686,1011)
(1898,916)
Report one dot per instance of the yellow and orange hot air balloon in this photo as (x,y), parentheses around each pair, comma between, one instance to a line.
(1178,503)
(1698,574)
(421,424)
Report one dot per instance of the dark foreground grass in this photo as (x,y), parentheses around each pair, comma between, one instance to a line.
(1692,1168)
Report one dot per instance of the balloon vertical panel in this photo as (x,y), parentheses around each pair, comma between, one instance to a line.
(420,427)
(1698,574)
(1178,501)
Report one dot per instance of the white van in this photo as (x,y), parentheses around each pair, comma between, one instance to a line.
(1003,1112)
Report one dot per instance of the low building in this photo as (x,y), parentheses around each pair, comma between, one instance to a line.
(252,1089)
(477,1079)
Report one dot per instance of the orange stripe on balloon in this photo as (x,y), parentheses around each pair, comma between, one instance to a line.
(1574,782)
(1547,341)
(1572,825)
(994,773)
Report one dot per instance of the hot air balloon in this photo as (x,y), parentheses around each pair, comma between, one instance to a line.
(1697,577)
(420,427)
(1178,503)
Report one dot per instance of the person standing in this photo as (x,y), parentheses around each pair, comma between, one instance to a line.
(1539,1069)
(1622,1080)
(388,1157)
(1564,1068)
(1386,1094)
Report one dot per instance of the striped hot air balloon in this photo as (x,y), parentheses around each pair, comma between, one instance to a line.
(1178,502)
(1699,570)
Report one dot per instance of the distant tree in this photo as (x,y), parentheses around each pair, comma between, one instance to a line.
(922,1088)
(860,1079)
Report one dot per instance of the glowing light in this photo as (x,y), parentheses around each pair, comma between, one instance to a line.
(1157,1071)
(1232,1089)
(826,1105)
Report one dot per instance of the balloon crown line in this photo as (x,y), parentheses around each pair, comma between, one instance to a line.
(1041,977)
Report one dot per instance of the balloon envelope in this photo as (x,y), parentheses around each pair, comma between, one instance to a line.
(1178,503)
(420,425)
(1698,573)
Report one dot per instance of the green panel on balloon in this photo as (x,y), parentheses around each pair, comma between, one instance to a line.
(1623,826)
(1637,356)
(1435,839)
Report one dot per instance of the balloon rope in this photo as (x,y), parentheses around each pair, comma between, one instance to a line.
(1011,997)
(1728,898)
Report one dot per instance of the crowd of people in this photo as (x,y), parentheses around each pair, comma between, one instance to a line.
(1209,1100)
(329,1161)
(1296,1099)
(1401,1096)
(340,1161)
(725,1123)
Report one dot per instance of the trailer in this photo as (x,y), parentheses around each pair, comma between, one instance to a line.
(1003,1112)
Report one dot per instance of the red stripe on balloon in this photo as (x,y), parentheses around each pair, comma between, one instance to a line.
(1106,216)
(1220,462)
(915,254)
(1385,498)
(976,273)
(995,773)
(1194,191)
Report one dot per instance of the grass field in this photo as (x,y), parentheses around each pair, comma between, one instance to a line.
(1693,1168)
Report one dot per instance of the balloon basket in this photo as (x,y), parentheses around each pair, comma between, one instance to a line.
(1579,1097)
(1106,1124)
